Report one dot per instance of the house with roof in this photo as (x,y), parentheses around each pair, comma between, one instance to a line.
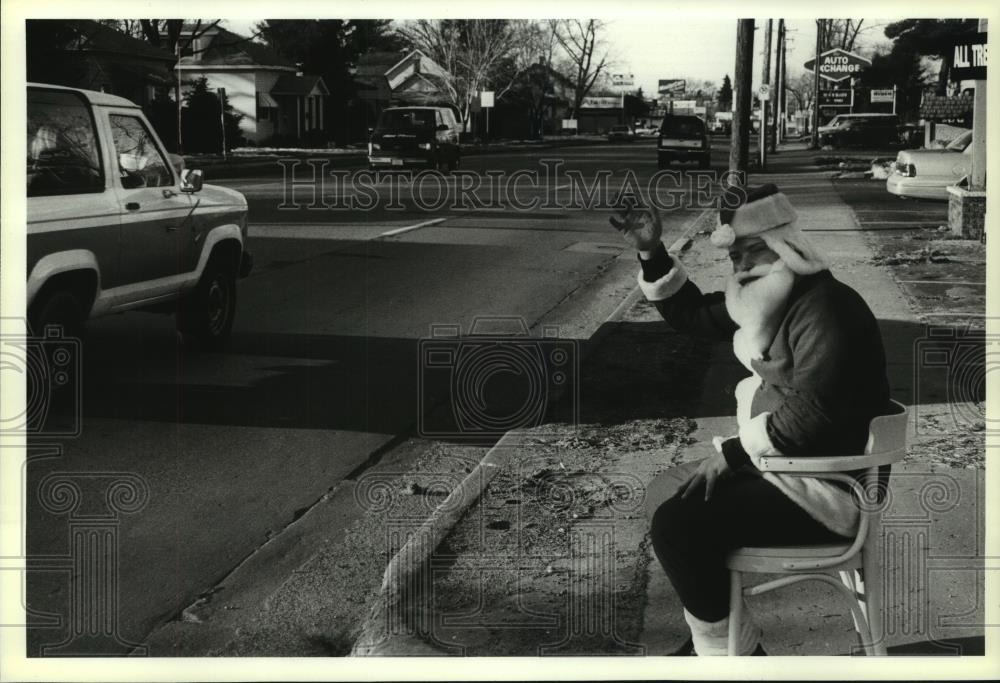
(273,95)
(82,53)
(399,78)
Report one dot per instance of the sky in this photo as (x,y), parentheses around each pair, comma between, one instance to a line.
(652,48)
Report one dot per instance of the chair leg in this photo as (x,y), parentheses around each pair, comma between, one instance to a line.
(735,612)
(874,608)
(854,584)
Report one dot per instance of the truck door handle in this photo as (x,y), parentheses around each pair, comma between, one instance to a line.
(132,206)
(171,228)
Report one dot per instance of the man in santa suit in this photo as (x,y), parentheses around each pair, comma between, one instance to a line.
(818,378)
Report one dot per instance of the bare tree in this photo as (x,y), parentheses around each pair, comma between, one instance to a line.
(474,55)
(587,56)
(842,33)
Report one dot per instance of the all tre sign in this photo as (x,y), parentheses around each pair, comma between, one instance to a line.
(837,65)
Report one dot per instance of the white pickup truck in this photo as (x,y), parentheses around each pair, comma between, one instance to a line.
(115,223)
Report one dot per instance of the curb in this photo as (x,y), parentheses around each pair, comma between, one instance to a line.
(410,560)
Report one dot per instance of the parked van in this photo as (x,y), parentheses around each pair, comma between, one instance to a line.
(683,138)
(425,137)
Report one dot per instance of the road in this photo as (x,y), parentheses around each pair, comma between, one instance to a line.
(323,370)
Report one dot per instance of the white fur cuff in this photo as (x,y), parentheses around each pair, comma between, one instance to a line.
(666,286)
(754,438)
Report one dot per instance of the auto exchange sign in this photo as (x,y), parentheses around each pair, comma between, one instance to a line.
(837,65)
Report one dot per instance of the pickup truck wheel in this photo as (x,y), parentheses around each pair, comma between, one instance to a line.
(57,307)
(208,313)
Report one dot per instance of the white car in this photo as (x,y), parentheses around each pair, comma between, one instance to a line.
(926,173)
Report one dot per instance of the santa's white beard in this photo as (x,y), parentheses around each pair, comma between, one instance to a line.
(756,302)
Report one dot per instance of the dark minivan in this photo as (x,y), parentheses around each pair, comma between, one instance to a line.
(426,137)
(684,138)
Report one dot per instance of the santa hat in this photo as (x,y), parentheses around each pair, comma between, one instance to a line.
(766,213)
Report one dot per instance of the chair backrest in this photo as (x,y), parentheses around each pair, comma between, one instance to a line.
(887,433)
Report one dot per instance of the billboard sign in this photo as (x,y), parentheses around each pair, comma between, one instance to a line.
(837,65)
(671,86)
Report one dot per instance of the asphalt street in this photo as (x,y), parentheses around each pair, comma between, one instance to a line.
(324,371)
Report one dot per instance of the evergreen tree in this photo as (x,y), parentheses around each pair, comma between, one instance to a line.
(200,121)
(725,96)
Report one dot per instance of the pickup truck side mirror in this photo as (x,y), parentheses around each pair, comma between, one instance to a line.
(191,180)
(443,127)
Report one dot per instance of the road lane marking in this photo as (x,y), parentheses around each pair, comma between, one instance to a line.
(408,228)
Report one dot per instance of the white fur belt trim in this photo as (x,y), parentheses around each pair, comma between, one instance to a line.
(666,286)
(827,503)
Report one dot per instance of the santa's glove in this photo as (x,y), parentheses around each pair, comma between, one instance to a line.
(732,450)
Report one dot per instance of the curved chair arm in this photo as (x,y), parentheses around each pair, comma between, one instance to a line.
(860,536)
(842,463)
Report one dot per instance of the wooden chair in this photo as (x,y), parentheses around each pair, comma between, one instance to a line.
(853,567)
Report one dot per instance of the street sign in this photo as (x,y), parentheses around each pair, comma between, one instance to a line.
(836,98)
(485,99)
(622,80)
(671,86)
(569,124)
(837,65)
(969,58)
(764,91)
(883,95)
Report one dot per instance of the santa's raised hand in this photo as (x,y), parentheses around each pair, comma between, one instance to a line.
(640,226)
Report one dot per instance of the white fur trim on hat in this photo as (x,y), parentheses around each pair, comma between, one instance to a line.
(762,215)
(666,286)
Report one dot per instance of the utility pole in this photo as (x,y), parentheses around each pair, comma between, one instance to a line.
(782,80)
(739,146)
(815,112)
(977,174)
(762,139)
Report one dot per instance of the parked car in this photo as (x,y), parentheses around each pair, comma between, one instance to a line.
(425,137)
(621,134)
(683,138)
(926,173)
(860,130)
(116,224)
(648,131)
